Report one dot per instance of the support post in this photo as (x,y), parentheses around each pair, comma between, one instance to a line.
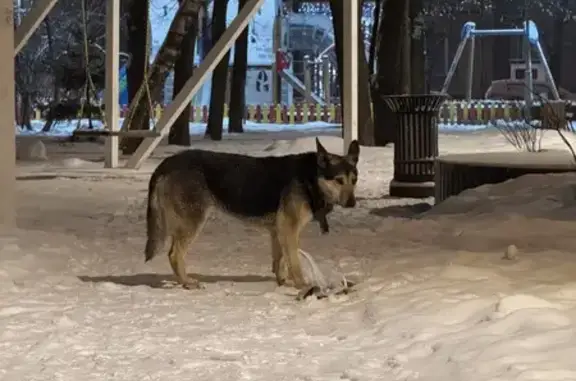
(191,87)
(7,118)
(350,90)
(112,87)
(454,65)
(308,79)
(528,79)
(549,76)
(470,74)
(30,23)
(326,79)
(277,45)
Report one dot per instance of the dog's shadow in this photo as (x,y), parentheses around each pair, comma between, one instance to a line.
(168,280)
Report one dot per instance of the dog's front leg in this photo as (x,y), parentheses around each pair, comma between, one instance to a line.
(288,235)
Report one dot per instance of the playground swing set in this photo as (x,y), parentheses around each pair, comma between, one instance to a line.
(531,41)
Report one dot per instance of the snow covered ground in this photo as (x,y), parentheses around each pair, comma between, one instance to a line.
(66,128)
(436,299)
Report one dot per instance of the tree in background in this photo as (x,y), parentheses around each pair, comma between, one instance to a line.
(504,12)
(238,88)
(374,38)
(214,128)
(388,73)
(183,70)
(562,12)
(415,31)
(138,33)
(186,18)
(53,62)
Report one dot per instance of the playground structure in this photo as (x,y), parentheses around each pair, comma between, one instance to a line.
(529,34)
(319,78)
(288,55)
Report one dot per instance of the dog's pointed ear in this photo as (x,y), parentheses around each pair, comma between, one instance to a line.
(321,154)
(353,152)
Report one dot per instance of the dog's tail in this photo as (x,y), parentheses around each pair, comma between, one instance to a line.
(155,219)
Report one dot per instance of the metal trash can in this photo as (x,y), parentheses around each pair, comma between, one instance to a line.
(415,144)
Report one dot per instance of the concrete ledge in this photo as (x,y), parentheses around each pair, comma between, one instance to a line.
(458,172)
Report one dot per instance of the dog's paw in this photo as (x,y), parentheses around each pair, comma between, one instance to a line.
(193,286)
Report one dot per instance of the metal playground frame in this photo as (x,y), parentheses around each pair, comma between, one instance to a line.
(531,39)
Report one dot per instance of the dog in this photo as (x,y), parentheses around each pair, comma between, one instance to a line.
(279,193)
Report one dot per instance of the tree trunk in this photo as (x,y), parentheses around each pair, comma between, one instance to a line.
(556,56)
(417,49)
(137,21)
(183,70)
(502,44)
(365,122)
(374,36)
(238,88)
(25,111)
(206,38)
(137,115)
(388,70)
(50,42)
(219,75)
(406,48)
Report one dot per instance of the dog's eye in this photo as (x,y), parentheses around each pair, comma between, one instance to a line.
(339,180)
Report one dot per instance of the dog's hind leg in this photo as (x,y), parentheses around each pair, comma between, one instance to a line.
(176,255)
(182,238)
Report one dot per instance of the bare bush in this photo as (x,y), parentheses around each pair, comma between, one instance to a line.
(524,135)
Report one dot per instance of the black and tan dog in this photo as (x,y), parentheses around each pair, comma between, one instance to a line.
(279,193)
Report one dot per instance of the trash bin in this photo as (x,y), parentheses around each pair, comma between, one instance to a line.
(415,144)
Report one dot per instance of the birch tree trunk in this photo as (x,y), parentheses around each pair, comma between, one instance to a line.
(185,19)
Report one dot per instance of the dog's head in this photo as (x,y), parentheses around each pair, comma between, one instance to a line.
(337,175)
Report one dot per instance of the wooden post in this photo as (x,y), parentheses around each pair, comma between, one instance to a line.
(30,23)
(350,91)
(112,86)
(277,45)
(308,79)
(191,87)
(7,118)
(326,79)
